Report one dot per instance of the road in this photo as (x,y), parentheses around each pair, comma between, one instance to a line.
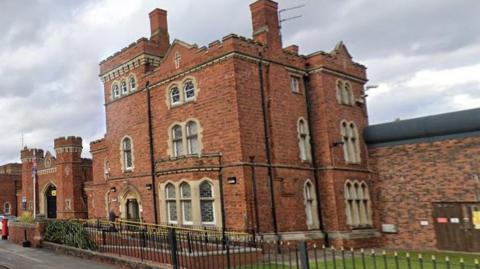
(13,256)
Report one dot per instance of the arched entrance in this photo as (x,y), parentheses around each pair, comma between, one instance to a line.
(51,202)
(132,209)
(130,204)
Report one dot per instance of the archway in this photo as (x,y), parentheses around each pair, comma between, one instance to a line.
(130,204)
(51,202)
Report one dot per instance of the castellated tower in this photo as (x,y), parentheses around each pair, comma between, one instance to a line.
(28,156)
(70,203)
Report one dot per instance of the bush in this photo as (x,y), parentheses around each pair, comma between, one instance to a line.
(26,217)
(70,233)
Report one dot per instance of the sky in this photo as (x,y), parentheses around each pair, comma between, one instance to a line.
(423,55)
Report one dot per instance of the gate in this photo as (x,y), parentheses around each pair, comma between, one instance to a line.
(457,226)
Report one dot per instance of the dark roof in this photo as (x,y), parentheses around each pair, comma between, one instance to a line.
(431,128)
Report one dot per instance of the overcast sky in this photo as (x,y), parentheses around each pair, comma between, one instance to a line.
(423,54)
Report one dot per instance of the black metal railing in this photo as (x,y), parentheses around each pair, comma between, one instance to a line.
(200,249)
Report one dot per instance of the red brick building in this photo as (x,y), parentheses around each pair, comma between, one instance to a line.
(10,184)
(249,135)
(59,180)
(428,188)
(248,118)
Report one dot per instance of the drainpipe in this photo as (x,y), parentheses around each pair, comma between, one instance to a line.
(152,158)
(255,197)
(306,82)
(267,145)
(222,198)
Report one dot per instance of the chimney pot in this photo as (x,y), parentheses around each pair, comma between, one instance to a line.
(266,27)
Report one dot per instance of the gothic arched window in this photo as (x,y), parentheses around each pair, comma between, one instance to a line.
(207,199)
(171,199)
(132,83)
(186,203)
(177,140)
(192,138)
(174,96)
(127,154)
(189,91)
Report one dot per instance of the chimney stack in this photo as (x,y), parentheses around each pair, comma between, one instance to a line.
(159,28)
(266,27)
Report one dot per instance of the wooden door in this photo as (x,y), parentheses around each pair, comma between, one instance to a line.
(454,226)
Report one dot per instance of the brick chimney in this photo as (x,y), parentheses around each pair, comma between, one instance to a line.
(159,28)
(266,28)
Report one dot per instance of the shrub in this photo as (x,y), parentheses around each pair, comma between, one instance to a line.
(26,217)
(70,233)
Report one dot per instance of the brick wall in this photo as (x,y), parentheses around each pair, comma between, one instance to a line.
(413,176)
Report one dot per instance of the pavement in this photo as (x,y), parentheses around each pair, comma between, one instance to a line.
(13,256)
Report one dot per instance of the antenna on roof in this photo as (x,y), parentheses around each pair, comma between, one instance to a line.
(280,20)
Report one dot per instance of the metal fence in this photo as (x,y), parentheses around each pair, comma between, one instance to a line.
(205,249)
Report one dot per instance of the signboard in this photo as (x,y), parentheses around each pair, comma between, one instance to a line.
(476,219)
(424,222)
(389,228)
(442,220)
(454,220)
(54,192)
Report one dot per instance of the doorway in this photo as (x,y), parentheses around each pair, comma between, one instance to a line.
(457,226)
(51,198)
(133,212)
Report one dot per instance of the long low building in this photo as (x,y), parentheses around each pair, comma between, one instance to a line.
(429,180)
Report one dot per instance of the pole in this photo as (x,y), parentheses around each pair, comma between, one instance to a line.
(34,176)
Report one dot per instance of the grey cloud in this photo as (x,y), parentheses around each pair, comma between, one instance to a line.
(49,53)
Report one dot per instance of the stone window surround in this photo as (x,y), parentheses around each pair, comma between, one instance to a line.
(315,224)
(130,90)
(306,146)
(181,87)
(132,150)
(351,151)
(344,92)
(298,84)
(196,211)
(360,207)
(183,125)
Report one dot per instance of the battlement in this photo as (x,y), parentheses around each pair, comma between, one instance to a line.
(68,142)
(27,154)
(11,169)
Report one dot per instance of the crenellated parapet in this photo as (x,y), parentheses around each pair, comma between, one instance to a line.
(27,155)
(68,144)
